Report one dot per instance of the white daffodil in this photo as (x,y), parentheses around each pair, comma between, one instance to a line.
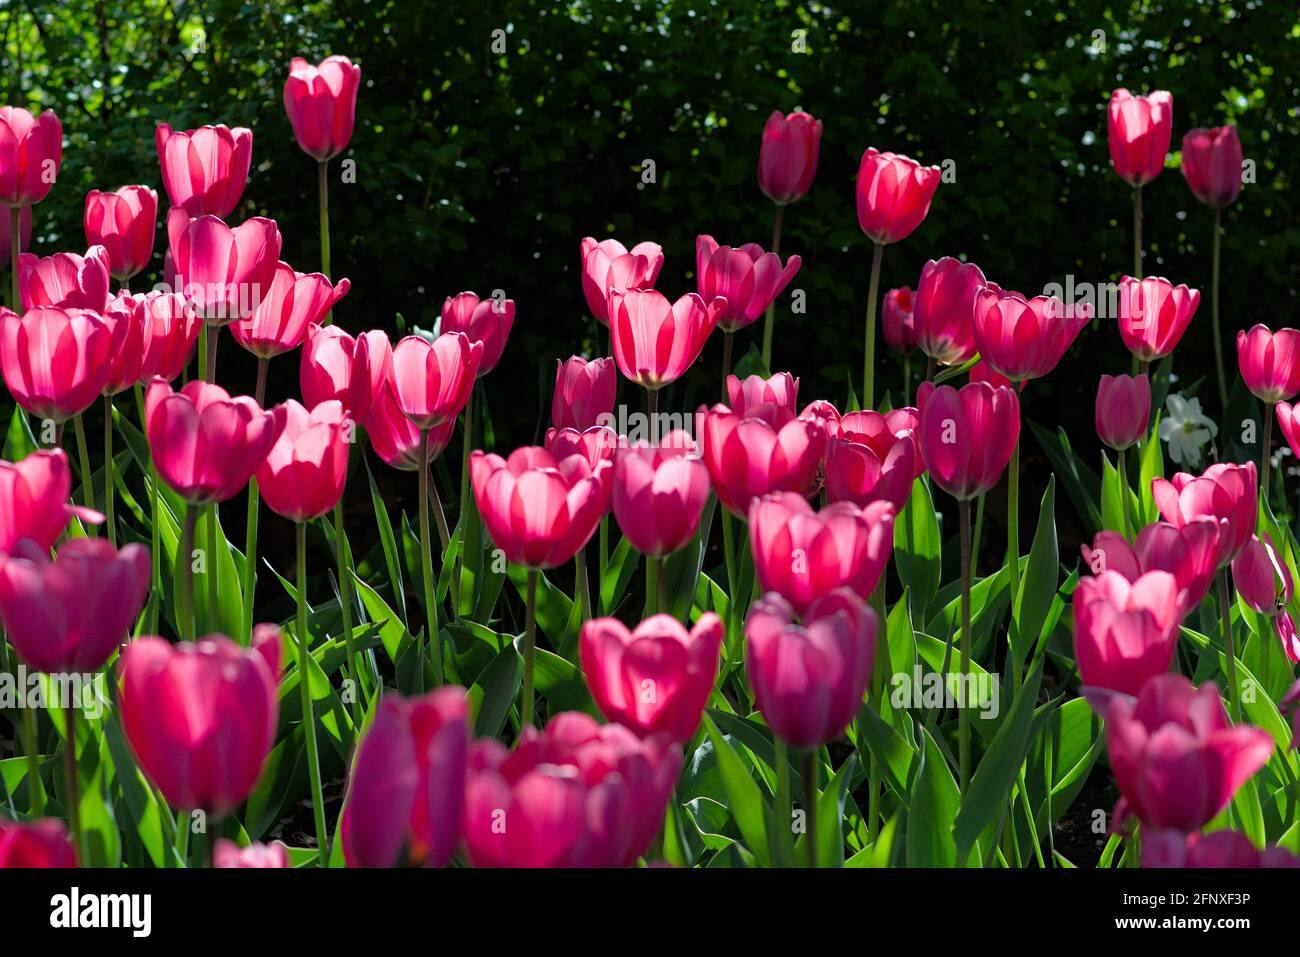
(1186,429)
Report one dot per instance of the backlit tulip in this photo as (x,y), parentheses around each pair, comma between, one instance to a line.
(1025,338)
(1224,492)
(396,439)
(169,333)
(1264,583)
(65,280)
(1212,164)
(431,381)
(608,265)
(483,320)
(656,341)
(809,678)
(1189,553)
(746,277)
(204,170)
(34,500)
(537,510)
(1270,362)
(597,444)
(322,103)
(288,307)
(406,791)
(656,678)
(748,458)
(803,554)
(967,436)
(303,475)
(873,457)
(337,366)
(205,443)
(1122,410)
(1173,848)
(787,159)
(124,223)
(894,194)
(24,232)
(226,854)
(223,273)
(658,494)
(1177,759)
(1288,419)
(774,400)
(31,149)
(981,371)
(1125,633)
(201,716)
(579,794)
(584,391)
(1138,132)
(55,361)
(896,320)
(1154,314)
(943,311)
(125,310)
(42,843)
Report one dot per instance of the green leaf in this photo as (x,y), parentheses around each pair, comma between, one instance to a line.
(918,546)
(389,544)
(1081,483)
(1152,466)
(932,812)
(748,808)
(1041,575)
(619,569)
(493,693)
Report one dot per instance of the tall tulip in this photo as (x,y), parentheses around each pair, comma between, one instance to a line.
(656,341)
(1125,632)
(1270,365)
(31,149)
(65,280)
(397,440)
(205,170)
(353,370)
(1122,410)
(747,279)
(24,234)
(42,843)
(748,458)
(123,316)
(1189,553)
(169,331)
(896,323)
(775,400)
(56,361)
(34,500)
(1264,583)
(292,303)
(1138,129)
(584,391)
(124,222)
(608,266)
(487,321)
(1153,315)
(943,310)
(303,473)
(873,457)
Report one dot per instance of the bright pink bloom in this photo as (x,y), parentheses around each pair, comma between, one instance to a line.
(24,232)
(981,371)
(748,458)
(289,306)
(656,341)
(322,103)
(1288,418)
(1154,314)
(967,436)
(124,223)
(56,362)
(431,381)
(1224,493)
(206,444)
(804,554)
(1138,131)
(608,266)
(1122,410)
(1189,553)
(1264,583)
(1025,338)
(774,400)
(201,716)
(336,366)
(1125,634)
(396,439)
(659,492)
(1212,163)
(824,415)
(597,444)
(42,843)
(656,678)
(204,171)
(896,320)
(809,678)
(483,320)
(943,312)
(584,391)
(31,149)
(873,457)
(125,310)
(227,854)
(1270,362)
(894,194)
(787,159)
(65,280)
(303,475)
(406,793)
(169,333)
(1173,848)
(222,273)
(746,277)
(34,500)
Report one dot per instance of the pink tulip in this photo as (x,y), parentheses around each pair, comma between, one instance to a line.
(608,266)
(353,371)
(1154,314)
(292,303)
(656,341)
(125,310)
(56,362)
(823,414)
(31,149)
(65,280)
(223,273)
(24,232)
(1138,131)
(597,444)
(748,458)
(396,439)
(659,493)
(1125,634)
(894,194)
(1291,702)
(201,716)
(1189,553)
(1288,418)
(774,400)
(896,320)
(204,171)
(1177,759)
(42,843)
(578,794)
(226,854)
(981,371)
(322,103)
(745,277)
(1224,493)
(303,475)
(803,554)
(967,436)
(584,391)
(809,678)
(486,321)
(1025,338)
(537,510)
(431,381)
(169,333)
(873,457)
(1270,362)
(1264,583)
(34,500)
(1123,408)
(943,312)
(407,787)
(124,223)
(1212,165)
(787,159)
(1173,848)
(655,679)
(206,444)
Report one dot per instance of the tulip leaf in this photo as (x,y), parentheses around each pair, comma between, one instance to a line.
(1081,483)
(20,441)
(932,812)
(494,691)
(918,546)
(748,808)
(561,683)
(146,815)
(1041,576)
(1152,466)
(389,543)
(619,570)
(554,608)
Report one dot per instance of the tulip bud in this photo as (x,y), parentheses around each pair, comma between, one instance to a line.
(1123,408)
(1138,132)
(787,159)
(322,103)
(1212,165)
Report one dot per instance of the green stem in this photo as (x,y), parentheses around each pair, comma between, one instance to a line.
(109,494)
(1214,310)
(72,781)
(1137,232)
(582,588)
(345,608)
(1229,651)
(250,558)
(83,453)
(810,803)
(781,819)
(432,631)
(186,559)
(31,744)
(963,720)
(323,181)
(466,516)
(604,562)
(211,622)
(212,355)
(15,249)
(530,651)
(869,354)
(651,586)
(1264,469)
(770,320)
(183,837)
(203,347)
(1130,522)
(308,713)
(727,337)
(1013,559)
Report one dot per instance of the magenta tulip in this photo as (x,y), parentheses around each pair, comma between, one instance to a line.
(205,170)
(169,332)
(34,500)
(656,341)
(353,371)
(1212,165)
(897,320)
(787,159)
(1122,410)
(943,311)
(226,854)
(1224,493)
(1189,553)
(396,439)
(431,381)
(1138,132)
(303,474)
(608,266)
(1154,314)
(486,321)
(873,457)
(584,391)
(222,273)
(894,194)
(56,362)
(597,444)
(774,400)
(745,277)
(292,303)
(125,311)
(65,280)
(748,458)
(124,223)
(1270,362)
(31,149)
(659,493)
(1173,848)
(322,103)
(967,436)
(1125,633)
(1025,338)
(42,843)
(1264,583)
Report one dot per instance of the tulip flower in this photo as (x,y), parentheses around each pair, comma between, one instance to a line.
(584,391)
(396,439)
(1025,338)
(656,678)
(321,102)
(1270,366)
(56,362)
(123,222)
(431,381)
(1177,759)
(407,787)
(303,474)
(787,159)
(485,321)
(1122,410)
(201,717)
(292,303)
(125,310)
(42,843)
(873,457)
(24,234)
(745,278)
(774,400)
(578,794)
(205,170)
(1212,165)
(1125,632)
(34,500)
(1138,133)
(967,436)
(599,444)
(1174,848)
(896,320)
(169,332)
(1189,553)
(1264,583)
(227,854)
(608,266)
(31,149)
(1153,315)
(656,341)
(223,273)
(65,280)
(353,371)
(981,371)
(943,310)
(748,458)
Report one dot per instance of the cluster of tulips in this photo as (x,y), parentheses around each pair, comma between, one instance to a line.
(793,650)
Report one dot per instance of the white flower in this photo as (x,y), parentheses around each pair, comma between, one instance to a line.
(1186,428)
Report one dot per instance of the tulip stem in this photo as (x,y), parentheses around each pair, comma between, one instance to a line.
(83,453)
(108,471)
(1130,521)
(70,779)
(308,713)
(323,179)
(211,621)
(15,248)
(729,553)
(1214,309)
(782,855)
(433,633)
(345,608)
(810,803)
(1225,606)
(462,535)
(963,720)
(1013,562)
(581,588)
(212,355)
(186,559)
(727,336)
(1264,468)
(869,355)
(31,744)
(1137,232)
(652,415)
(155,540)
(250,559)
(907,380)
(604,562)
(770,320)
(183,837)
(203,347)
(530,650)
(651,586)
(439,516)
